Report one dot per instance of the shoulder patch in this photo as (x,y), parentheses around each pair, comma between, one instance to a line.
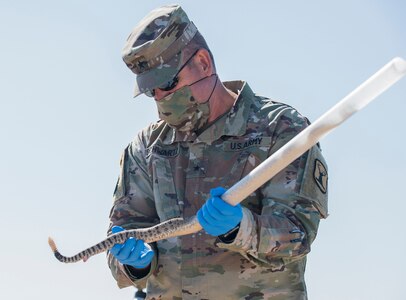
(320,175)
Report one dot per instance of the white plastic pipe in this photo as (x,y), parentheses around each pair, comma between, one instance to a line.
(355,101)
(352,103)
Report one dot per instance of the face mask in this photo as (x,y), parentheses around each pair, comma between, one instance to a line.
(181,110)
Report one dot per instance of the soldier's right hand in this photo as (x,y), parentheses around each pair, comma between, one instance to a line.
(133,252)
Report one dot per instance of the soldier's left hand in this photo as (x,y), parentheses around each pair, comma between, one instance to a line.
(217,216)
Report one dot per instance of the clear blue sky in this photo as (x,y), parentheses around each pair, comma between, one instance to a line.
(67,112)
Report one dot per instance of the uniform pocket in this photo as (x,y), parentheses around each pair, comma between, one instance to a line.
(165,196)
(247,152)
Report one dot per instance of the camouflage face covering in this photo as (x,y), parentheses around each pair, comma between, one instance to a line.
(181,110)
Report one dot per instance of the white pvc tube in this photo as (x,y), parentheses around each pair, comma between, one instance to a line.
(352,103)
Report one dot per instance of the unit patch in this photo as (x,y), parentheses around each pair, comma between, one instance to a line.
(320,175)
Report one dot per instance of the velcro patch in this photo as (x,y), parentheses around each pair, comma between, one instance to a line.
(163,151)
(242,144)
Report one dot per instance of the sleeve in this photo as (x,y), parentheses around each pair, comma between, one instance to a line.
(293,202)
(133,207)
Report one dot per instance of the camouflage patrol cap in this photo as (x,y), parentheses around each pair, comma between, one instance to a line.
(153,49)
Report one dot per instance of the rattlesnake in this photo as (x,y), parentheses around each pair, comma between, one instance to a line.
(352,103)
(164,230)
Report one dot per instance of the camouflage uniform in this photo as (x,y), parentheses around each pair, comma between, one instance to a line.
(167,174)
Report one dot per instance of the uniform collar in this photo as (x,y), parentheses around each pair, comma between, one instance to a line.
(232,123)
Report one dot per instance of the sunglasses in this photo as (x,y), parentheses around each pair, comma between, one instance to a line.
(171,84)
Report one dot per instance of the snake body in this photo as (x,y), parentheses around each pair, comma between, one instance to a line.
(164,230)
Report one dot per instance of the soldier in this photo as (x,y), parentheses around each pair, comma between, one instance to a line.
(210,134)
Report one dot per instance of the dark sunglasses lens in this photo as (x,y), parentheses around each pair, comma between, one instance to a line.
(170,85)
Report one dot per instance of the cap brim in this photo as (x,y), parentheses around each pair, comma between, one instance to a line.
(156,77)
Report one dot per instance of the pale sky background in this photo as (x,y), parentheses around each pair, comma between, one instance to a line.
(67,112)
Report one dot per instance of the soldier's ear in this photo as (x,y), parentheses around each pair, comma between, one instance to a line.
(203,62)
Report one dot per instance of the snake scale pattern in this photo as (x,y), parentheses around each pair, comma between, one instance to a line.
(164,230)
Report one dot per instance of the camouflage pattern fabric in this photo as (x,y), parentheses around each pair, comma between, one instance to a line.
(166,173)
(153,48)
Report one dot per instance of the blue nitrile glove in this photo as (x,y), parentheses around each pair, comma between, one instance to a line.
(133,252)
(217,216)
